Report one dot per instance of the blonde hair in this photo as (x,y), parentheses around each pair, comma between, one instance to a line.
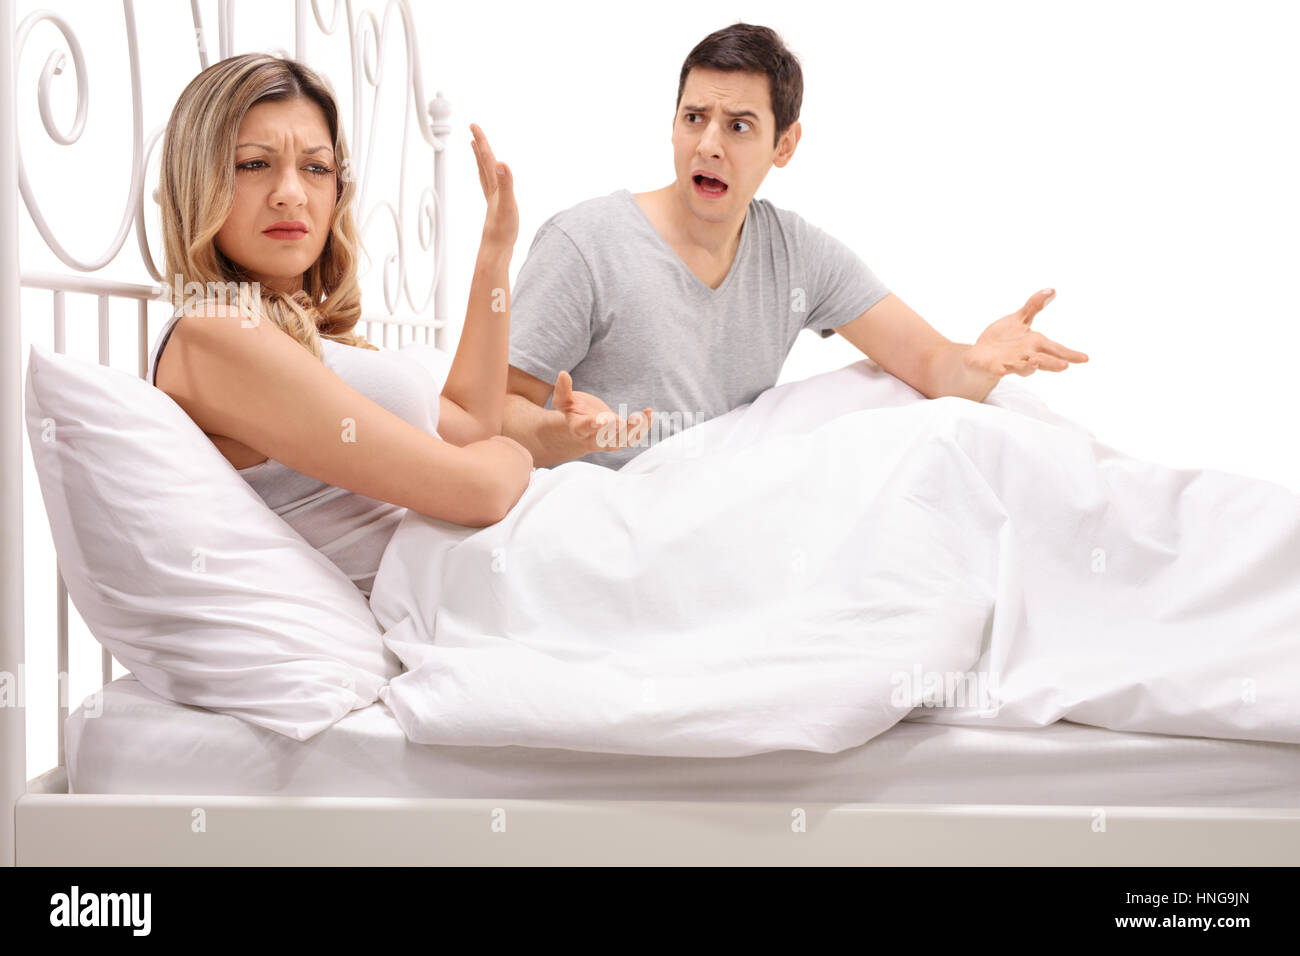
(197,190)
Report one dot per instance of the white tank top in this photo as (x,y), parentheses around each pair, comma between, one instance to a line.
(348,528)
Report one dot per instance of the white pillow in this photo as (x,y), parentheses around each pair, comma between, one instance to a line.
(181,570)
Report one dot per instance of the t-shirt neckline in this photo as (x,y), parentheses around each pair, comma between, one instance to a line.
(681,263)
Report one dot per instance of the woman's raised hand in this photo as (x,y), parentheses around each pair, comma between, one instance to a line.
(502,224)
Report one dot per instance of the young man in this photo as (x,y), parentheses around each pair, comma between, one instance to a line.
(683,303)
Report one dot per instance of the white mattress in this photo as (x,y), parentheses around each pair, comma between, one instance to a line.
(141,743)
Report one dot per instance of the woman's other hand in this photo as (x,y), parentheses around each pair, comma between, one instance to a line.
(501,227)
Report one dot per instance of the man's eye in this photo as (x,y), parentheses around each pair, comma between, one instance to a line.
(744,124)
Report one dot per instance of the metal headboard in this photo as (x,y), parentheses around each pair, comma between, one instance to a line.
(404,310)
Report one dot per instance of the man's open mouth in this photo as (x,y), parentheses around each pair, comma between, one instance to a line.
(709,185)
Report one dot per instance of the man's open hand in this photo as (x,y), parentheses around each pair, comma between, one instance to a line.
(1009,345)
(593,423)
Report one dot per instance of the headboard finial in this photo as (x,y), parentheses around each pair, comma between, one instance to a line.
(440,115)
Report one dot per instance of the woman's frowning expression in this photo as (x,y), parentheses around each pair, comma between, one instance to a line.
(286,188)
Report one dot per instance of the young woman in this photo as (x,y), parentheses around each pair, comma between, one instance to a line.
(337,436)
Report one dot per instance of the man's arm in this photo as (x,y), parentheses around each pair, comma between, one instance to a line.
(910,349)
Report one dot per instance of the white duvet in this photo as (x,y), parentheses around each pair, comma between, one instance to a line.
(839,555)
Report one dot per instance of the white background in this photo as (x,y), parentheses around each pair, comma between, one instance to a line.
(1139,157)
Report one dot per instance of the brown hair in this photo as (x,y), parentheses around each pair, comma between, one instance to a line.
(744,47)
(197,189)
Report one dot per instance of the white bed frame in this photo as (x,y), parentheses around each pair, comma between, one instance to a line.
(42,824)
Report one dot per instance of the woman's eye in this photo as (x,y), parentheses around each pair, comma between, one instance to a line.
(316,169)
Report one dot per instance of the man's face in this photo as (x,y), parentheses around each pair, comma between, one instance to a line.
(723,128)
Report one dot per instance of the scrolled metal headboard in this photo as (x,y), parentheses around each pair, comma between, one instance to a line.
(381,211)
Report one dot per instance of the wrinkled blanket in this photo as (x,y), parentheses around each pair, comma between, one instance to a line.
(841,554)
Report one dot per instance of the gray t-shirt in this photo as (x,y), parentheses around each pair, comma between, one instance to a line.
(603,295)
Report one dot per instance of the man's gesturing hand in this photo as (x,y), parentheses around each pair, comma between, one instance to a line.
(593,423)
(1010,345)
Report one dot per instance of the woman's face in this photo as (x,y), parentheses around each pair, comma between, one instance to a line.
(284,173)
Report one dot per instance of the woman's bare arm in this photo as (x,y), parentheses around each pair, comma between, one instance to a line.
(473,397)
(256,385)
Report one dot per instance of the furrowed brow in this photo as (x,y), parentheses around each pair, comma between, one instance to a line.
(734,114)
(272,149)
